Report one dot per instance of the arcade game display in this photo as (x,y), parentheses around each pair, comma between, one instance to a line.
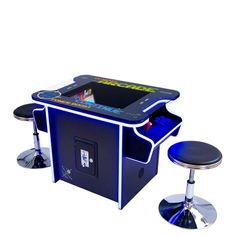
(105,134)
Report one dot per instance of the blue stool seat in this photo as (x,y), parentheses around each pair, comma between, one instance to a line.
(187,210)
(195,155)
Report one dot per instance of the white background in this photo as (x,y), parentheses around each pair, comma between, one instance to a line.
(189,46)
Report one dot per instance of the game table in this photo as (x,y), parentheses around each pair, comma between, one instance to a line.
(105,134)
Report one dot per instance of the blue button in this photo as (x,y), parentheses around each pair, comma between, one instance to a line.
(48,94)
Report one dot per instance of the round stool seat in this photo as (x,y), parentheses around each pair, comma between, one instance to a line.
(195,155)
(25,112)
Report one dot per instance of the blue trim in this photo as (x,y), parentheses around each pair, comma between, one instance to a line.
(120,167)
(93,116)
(156,103)
(50,147)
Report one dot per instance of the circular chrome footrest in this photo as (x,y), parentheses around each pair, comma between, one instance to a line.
(196,215)
(33,160)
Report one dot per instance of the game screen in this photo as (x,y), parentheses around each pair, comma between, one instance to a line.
(106,95)
(85,95)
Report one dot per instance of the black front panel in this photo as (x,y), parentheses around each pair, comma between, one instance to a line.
(85,152)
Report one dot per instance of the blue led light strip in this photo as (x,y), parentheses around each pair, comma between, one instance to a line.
(50,146)
(101,118)
(49,136)
(93,116)
(156,103)
(120,167)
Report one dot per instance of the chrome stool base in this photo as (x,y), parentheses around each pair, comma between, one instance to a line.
(32,159)
(197,214)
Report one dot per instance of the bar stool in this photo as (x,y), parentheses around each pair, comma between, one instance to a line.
(189,211)
(36,157)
